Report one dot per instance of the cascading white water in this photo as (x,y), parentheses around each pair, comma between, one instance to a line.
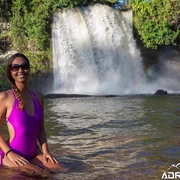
(94,52)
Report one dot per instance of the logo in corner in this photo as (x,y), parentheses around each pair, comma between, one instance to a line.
(172,172)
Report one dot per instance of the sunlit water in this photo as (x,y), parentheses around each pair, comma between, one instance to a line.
(113,138)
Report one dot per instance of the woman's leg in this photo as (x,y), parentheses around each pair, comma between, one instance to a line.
(29,168)
(57,167)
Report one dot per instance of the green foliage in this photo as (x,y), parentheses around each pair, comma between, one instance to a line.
(5,15)
(156,21)
(72,3)
(30,31)
(37,61)
(5,12)
(29,25)
(4,84)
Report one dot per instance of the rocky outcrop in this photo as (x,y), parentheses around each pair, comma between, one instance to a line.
(5,56)
(160,92)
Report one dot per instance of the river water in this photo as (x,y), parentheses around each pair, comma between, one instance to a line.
(113,138)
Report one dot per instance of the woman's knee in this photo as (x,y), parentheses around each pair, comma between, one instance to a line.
(30,168)
(34,168)
(54,167)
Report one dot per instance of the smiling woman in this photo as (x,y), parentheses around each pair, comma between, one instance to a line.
(23,110)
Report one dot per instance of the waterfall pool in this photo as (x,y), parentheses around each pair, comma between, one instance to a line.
(113,138)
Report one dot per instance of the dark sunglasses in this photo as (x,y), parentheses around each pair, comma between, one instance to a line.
(16,67)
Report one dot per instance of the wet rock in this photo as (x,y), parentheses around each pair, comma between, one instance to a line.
(161,92)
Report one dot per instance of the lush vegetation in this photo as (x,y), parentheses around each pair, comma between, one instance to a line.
(3,82)
(157,21)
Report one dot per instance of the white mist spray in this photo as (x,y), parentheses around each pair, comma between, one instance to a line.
(94,52)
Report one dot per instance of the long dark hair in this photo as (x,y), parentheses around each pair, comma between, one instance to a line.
(11,79)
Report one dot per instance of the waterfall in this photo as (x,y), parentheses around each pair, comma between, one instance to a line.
(94,52)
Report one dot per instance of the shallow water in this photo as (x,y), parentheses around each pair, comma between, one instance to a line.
(113,138)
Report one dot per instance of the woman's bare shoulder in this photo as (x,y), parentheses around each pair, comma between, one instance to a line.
(5,99)
(5,95)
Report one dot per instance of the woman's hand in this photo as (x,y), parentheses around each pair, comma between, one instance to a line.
(16,159)
(47,156)
(59,167)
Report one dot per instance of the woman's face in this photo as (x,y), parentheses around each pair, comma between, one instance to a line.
(20,70)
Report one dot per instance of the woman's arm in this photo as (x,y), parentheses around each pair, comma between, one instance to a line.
(3,108)
(42,138)
(42,134)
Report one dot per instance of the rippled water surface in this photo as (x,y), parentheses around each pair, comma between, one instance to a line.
(114,138)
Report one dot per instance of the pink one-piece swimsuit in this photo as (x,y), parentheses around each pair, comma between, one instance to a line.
(26,129)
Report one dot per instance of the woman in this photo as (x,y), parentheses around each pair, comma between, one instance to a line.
(23,111)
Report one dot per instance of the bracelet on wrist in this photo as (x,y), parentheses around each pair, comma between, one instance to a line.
(8,152)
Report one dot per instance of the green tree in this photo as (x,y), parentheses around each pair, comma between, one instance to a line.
(29,23)
(4,84)
(157,21)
